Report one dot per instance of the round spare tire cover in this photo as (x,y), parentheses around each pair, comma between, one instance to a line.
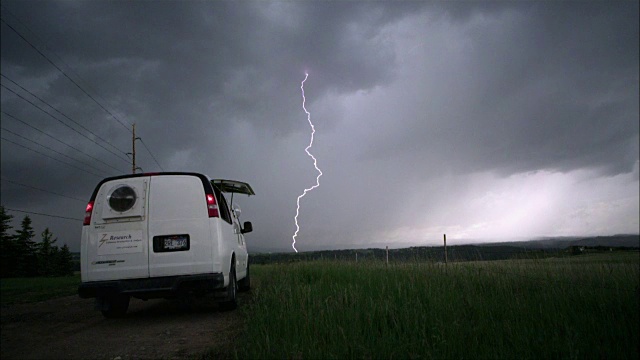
(122,198)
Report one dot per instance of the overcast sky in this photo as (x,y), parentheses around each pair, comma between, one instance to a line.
(485,121)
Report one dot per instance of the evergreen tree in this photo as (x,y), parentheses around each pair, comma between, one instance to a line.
(26,256)
(56,269)
(5,223)
(7,245)
(46,260)
(65,261)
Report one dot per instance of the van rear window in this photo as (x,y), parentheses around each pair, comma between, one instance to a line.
(222,205)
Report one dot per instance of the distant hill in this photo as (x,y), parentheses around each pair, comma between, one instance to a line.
(630,241)
(548,243)
(540,248)
(257,249)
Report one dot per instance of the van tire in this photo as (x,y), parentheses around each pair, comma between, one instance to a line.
(232,292)
(245,284)
(117,306)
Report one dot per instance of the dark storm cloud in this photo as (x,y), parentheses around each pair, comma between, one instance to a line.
(195,51)
(178,68)
(536,87)
(452,88)
(183,72)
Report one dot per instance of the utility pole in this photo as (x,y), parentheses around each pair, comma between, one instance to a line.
(133,154)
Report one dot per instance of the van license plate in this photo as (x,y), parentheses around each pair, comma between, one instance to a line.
(175,243)
(171,243)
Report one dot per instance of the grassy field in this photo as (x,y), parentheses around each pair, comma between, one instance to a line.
(585,306)
(26,290)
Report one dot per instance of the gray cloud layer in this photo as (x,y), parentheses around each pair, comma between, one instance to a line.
(420,94)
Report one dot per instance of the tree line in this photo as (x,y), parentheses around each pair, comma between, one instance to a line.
(456,253)
(22,256)
(434,254)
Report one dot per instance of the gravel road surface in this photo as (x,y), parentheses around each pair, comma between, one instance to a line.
(69,328)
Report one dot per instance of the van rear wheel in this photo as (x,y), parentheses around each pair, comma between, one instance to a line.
(232,300)
(117,306)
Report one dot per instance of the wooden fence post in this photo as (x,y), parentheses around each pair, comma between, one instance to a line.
(445,250)
(387,255)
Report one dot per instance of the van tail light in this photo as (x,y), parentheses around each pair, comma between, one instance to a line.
(87,214)
(212,207)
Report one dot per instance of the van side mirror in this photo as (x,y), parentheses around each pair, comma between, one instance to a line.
(247,228)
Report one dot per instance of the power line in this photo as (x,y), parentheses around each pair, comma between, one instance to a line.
(48,113)
(44,45)
(38,152)
(63,73)
(150,153)
(58,140)
(35,213)
(58,111)
(68,77)
(47,191)
(48,148)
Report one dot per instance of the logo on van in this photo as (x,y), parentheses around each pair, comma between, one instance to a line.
(119,242)
(112,238)
(103,240)
(110,262)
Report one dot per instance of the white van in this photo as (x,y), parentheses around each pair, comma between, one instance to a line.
(161,235)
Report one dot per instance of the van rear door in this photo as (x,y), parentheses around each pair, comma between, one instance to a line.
(237,187)
(117,245)
(182,236)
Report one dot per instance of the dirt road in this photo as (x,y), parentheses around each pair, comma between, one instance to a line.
(69,328)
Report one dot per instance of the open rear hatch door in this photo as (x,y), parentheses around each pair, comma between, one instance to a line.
(233,186)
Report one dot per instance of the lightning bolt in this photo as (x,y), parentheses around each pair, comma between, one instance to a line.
(315,164)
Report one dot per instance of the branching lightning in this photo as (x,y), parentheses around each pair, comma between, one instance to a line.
(315,164)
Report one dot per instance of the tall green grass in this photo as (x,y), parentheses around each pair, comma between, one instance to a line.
(27,290)
(580,307)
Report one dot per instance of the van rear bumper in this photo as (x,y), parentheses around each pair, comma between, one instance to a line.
(156,287)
